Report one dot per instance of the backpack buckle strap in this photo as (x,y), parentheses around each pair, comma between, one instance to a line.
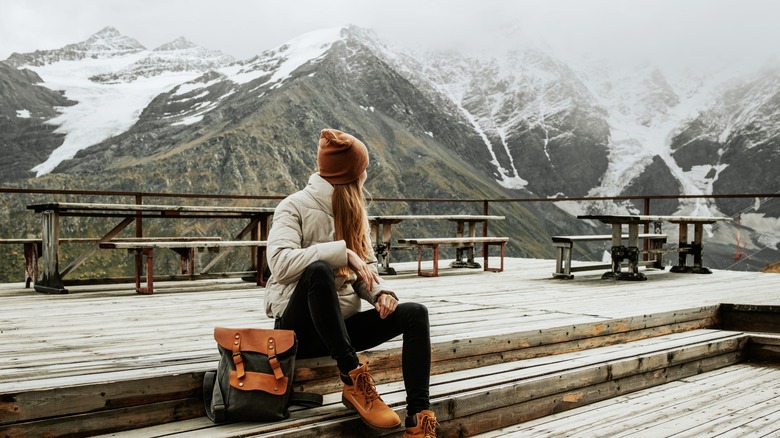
(237,359)
(275,365)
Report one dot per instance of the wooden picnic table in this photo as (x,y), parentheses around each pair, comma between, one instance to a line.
(51,280)
(381,232)
(630,251)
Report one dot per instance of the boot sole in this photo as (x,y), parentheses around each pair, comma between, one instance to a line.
(349,405)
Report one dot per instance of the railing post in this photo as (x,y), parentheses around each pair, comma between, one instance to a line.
(646,244)
(139,232)
(485,208)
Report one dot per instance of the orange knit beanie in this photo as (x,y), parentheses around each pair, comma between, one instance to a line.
(341,157)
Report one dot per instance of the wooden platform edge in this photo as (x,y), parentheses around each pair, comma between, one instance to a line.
(319,375)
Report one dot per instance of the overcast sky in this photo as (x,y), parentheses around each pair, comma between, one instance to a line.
(691,32)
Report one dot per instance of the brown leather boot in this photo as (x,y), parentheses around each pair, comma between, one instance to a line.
(425,428)
(362,397)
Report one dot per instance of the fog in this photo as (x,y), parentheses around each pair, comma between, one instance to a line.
(683,33)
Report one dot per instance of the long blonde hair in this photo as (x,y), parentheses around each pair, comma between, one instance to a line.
(349,220)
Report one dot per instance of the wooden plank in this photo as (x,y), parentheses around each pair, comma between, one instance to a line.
(453,240)
(751,318)
(449,217)
(106,421)
(628,412)
(70,400)
(712,410)
(510,414)
(183,244)
(596,237)
(68,206)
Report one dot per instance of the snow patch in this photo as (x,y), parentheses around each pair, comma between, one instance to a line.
(23,114)
(106,109)
(189,120)
(192,86)
(292,55)
(769,234)
(103,110)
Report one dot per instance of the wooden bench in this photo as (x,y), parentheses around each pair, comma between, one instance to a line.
(33,247)
(564,245)
(32,251)
(463,243)
(188,247)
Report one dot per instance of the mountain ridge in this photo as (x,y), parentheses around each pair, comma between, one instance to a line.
(439,125)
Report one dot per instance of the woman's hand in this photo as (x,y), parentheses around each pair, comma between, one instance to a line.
(385,304)
(361,269)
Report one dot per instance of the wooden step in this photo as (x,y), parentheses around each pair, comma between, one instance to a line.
(101,397)
(494,396)
(737,401)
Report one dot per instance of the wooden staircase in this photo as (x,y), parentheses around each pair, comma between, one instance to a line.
(478,384)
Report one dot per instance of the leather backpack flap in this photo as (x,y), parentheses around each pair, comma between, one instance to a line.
(255,340)
(267,342)
(259,382)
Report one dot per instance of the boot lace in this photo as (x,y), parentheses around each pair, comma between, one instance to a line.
(428,426)
(364,384)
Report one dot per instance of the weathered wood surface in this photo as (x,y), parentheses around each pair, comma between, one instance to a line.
(435,217)
(82,206)
(104,324)
(632,218)
(736,401)
(194,243)
(596,237)
(117,239)
(99,334)
(524,386)
(453,240)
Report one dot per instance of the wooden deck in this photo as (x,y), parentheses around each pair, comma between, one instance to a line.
(53,344)
(737,401)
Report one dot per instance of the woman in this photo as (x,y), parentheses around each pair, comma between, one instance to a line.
(322,264)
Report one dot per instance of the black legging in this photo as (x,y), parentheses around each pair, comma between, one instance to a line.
(314,314)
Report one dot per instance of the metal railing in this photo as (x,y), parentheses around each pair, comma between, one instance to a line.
(138,197)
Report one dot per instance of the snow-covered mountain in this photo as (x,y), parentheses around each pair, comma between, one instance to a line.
(112,78)
(525,123)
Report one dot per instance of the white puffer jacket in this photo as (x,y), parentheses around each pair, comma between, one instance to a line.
(302,233)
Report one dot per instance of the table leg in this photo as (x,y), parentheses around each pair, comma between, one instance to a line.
(435,271)
(149,289)
(31,252)
(465,251)
(630,252)
(383,233)
(684,247)
(51,281)
(695,248)
(617,251)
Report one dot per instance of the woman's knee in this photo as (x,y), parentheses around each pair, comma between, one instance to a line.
(414,313)
(318,271)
